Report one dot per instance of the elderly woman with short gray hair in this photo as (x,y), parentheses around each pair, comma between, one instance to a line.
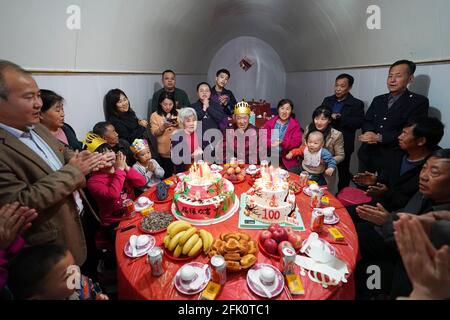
(186,139)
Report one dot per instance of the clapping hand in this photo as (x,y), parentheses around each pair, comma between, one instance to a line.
(369,138)
(197,152)
(121,163)
(377,215)
(205,103)
(223,99)
(14,220)
(366,178)
(377,190)
(428,269)
(87,162)
(143,123)
(276,143)
(151,167)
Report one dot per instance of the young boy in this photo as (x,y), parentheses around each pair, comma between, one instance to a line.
(316,159)
(225,98)
(145,165)
(48,272)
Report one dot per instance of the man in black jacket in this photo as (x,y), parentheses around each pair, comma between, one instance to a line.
(387,115)
(376,234)
(395,186)
(348,116)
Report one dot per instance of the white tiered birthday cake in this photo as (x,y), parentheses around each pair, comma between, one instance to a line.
(270,200)
(204,197)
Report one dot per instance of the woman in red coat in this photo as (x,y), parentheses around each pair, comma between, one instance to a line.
(290,134)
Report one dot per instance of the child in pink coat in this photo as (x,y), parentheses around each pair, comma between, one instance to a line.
(112,185)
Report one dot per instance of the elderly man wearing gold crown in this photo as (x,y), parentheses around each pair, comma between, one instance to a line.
(242,141)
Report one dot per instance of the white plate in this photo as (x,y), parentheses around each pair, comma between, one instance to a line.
(140,252)
(185,288)
(275,289)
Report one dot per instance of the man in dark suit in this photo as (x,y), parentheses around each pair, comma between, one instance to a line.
(387,115)
(348,116)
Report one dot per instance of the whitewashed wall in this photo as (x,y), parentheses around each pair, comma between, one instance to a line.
(84,94)
(307,89)
(266,79)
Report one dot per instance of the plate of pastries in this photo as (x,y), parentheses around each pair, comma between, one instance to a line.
(238,249)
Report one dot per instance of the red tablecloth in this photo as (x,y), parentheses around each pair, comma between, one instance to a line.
(136,282)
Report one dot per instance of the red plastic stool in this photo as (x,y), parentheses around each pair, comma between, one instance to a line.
(352,196)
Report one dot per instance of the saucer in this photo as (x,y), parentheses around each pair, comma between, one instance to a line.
(140,252)
(275,289)
(185,288)
(216,169)
(154,198)
(139,208)
(335,219)
(251,172)
(308,192)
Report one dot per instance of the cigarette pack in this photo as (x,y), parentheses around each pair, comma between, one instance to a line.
(211,291)
(325,201)
(295,284)
(336,234)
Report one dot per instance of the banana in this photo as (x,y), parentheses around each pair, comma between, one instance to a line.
(211,240)
(177,251)
(189,233)
(174,241)
(207,240)
(174,224)
(190,243)
(166,240)
(178,228)
(196,248)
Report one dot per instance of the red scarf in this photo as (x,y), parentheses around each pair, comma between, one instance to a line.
(193,143)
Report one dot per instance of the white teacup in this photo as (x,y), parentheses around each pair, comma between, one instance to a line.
(142,201)
(187,273)
(328,213)
(267,276)
(142,242)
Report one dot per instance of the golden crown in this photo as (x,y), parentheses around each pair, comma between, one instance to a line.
(93,141)
(138,145)
(242,108)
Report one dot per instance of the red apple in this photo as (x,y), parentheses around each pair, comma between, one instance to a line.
(295,239)
(271,246)
(264,235)
(289,230)
(283,244)
(273,227)
(279,235)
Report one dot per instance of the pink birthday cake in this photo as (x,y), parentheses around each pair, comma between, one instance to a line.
(270,200)
(203,195)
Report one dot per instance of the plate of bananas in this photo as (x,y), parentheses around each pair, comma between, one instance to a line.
(184,242)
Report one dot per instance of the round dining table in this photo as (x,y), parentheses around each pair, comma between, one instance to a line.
(135,280)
